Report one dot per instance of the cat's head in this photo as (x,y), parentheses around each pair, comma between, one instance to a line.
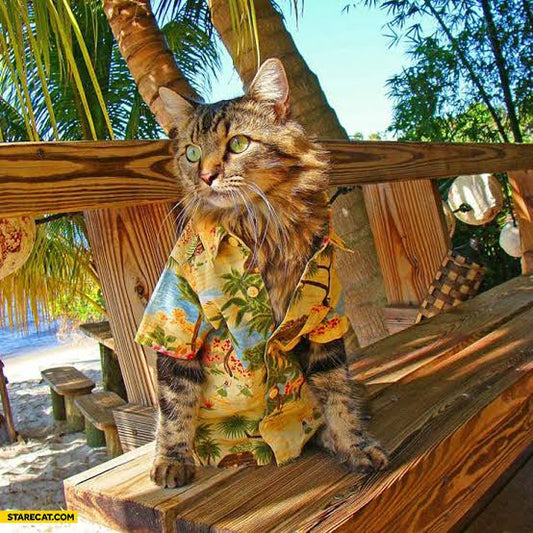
(236,151)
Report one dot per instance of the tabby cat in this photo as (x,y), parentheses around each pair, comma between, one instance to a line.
(246,166)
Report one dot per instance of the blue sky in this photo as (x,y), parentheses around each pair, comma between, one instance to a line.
(351,57)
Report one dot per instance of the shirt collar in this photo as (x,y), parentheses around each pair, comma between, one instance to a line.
(211,235)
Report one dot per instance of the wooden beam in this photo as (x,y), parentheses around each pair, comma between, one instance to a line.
(411,237)
(58,177)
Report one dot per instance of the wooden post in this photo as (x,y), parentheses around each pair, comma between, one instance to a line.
(521,182)
(111,374)
(411,237)
(130,247)
(6,406)
(75,420)
(95,437)
(58,406)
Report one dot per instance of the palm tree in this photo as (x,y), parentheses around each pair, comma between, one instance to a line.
(310,107)
(63,77)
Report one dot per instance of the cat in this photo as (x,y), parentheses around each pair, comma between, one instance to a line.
(245,165)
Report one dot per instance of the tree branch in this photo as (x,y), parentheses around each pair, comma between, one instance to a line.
(502,71)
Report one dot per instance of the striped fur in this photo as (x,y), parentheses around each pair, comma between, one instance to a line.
(274,196)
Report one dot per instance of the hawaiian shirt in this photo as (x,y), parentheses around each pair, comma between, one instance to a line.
(255,402)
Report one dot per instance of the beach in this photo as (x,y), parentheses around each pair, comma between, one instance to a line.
(33,469)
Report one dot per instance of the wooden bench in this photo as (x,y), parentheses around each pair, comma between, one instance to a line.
(451,400)
(100,427)
(66,382)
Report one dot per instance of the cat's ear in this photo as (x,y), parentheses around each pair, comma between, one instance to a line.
(175,105)
(270,86)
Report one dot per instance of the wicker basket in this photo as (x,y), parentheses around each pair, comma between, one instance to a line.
(457,280)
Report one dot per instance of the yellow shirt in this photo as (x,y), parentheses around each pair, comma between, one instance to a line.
(255,400)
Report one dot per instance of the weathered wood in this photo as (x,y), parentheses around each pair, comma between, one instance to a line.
(6,406)
(68,176)
(94,436)
(411,237)
(75,420)
(130,247)
(100,331)
(111,374)
(67,380)
(399,318)
(446,334)
(135,424)
(453,426)
(58,406)
(522,189)
(97,407)
(112,441)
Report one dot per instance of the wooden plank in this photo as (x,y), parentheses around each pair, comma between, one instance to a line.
(67,380)
(446,334)
(130,246)
(511,509)
(100,331)
(97,407)
(399,318)
(522,189)
(441,423)
(136,425)
(59,177)
(411,237)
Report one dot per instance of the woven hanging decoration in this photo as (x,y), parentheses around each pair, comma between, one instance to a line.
(17,236)
(457,280)
(475,199)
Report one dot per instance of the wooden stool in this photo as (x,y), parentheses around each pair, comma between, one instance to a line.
(66,382)
(100,427)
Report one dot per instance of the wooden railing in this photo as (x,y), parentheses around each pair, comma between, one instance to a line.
(68,176)
(117,183)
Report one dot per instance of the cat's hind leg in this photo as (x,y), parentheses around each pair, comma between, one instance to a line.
(343,433)
(179,385)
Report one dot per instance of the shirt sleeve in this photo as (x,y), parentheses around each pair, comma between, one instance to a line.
(173,323)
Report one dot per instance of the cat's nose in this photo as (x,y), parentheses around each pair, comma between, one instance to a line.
(208,177)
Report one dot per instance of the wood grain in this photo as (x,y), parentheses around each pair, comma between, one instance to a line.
(410,235)
(452,425)
(97,407)
(130,247)
(67,380)
(521,183)
(60,177)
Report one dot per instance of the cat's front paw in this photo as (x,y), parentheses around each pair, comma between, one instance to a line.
(169,473)
(366,456)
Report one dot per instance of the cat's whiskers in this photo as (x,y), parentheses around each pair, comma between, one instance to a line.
(188,198)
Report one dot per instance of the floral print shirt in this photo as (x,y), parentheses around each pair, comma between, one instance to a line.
(255,402)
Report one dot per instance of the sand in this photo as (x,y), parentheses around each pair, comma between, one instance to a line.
(32,470)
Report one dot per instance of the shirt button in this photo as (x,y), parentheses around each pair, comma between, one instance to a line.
(233,242)
(252,291)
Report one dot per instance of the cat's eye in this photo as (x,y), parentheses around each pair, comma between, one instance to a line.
(193,153)
(239,143)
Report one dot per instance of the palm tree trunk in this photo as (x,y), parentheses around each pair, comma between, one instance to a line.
(364,289)
(128,258)
(149,60)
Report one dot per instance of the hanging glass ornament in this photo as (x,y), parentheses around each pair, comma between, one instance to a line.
(510,238)
(17,236)
(475,199)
